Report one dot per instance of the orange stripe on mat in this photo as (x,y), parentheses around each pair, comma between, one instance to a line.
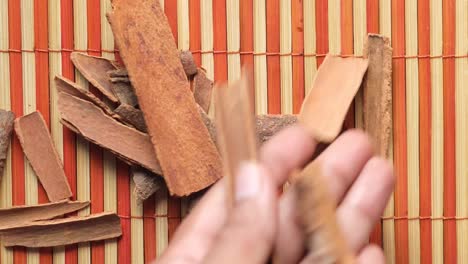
(195,26)
(450,230)
(273,62)
(123,208)
(372,11)
(246,38)
(297,24)
(321,23)
(220,40)
(149,228)
(399,135)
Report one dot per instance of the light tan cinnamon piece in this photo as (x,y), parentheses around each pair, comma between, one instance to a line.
(317,219)
(336,83)
(132,116)
(38,147)
(202,88)
(235,123)
(6,127)
(95,69)
(377,91)
(186,58)
(146,183)
(65,231)
(21,215)
(187,155)
(93,124)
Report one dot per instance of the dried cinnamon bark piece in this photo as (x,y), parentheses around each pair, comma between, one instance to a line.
(146,183)
(335,85)
(95,69)
(377,91)
(125,92)
(187,155)
(21,215)
(186,58)
(120,72)
(65,231)
(202,88)
(269,125)
(38,147)
(132,116)
(93,124)
(6,127)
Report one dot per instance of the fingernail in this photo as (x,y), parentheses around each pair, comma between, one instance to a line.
(248,181)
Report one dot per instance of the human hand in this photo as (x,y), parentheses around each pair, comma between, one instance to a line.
(262,224)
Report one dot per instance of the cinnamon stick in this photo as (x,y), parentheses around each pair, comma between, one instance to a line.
(6,127)
(187,155)
(202,88)
(38,147)
(377,91)
(336,83)
(21,215)
(186,58)
(132,116)
(95,69)
(65,231)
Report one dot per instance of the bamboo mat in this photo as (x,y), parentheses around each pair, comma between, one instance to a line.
(284,41)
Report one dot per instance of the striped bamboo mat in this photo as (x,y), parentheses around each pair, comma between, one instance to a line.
(284,41)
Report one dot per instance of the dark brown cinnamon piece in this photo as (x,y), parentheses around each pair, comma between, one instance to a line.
(125,92)
(202,89)
(186,58)
(6,127)
(132,116)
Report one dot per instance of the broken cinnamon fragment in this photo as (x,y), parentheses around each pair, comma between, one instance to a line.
(125,92)
(65,231)
(269,125)
(377,91)
(146,183)
(6,127)
(93,124)
(95,69)
(202,88)
(186,58)
(21,215)
(132,116)
(335,85)
(186,153)
(38,147)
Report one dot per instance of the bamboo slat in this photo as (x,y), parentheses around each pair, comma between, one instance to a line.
(412,124)
(321,18)
(124,253)
(310,63)
(360,34)
(334,27)
(273,43)
(347,48)
(6,255)
(233,39)
(220,43)
(286,60)
(246,38)
(297,39)
(260,65)
(161,221)
(137,229)
(461,112)
(195,28)
(206,24)
(149,228)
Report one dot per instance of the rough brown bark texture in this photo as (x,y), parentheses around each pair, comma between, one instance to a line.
(21,215)
(187,155)
(132,116)
(336,83)
(146,183)
(38,147)
(65,231)
(124,91)
(186,58)
(202,89)
(6,127)
(377,91)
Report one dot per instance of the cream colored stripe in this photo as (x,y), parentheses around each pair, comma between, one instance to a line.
(437,144)
(385,24)
(412,122)
(286,61)
(310,62)
(162,3)
(82,146)
(161,222)
(334,29)
(29,102)
(136,229)
(110,173)
(461,81)
(233,39)
(6,255)
(260,66)
(183,30)
(360,34)
(206,17)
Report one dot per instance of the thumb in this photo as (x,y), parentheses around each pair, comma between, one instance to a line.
(249,233)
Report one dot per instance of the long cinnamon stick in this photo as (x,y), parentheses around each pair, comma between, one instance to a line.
(65,231)
(187,155)
(21,215)
(95,69)
(377,91)
(336,83)
(38,147)
(6,127)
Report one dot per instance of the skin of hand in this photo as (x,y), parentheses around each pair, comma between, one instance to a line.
(261,222)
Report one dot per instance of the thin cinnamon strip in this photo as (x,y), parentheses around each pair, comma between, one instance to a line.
(21,215)
(6,127)
(38,147)
(202,89)
(132,116)
(187,155)
(335,85)
(95,69)
(66,231)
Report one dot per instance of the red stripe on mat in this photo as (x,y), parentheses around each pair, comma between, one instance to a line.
(297,30)
(246,38)
(321,24)
(273,62)
(149,227)
(425,117)
(220,43)
(450,230)
(399,132)
(124,244)
(195,27)
(372,11)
